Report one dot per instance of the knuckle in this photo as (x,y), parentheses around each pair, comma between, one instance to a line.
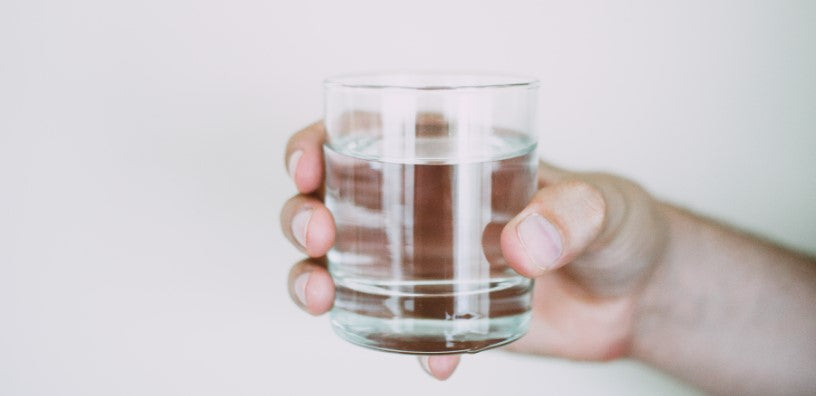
(589,197)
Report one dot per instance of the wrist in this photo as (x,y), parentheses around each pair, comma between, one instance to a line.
(726,311)
(659,298)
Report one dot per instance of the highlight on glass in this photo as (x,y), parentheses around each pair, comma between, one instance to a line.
(423,170)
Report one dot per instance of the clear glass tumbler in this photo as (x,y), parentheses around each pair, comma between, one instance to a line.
(423,171)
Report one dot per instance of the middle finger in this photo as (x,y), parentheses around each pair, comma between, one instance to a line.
(308,224)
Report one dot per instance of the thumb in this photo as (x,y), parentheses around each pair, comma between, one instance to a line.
(561,221)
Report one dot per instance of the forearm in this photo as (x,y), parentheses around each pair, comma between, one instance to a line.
(728,312)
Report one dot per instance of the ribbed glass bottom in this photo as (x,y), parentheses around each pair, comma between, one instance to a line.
(428,336)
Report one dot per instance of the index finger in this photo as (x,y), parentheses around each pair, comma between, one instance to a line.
(304,157)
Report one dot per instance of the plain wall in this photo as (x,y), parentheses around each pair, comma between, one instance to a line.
(141,170)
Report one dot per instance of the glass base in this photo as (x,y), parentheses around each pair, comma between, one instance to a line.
(428,336)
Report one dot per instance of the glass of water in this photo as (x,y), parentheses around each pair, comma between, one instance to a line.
(423,170)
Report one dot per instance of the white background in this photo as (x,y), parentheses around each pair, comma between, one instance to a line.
(141,170)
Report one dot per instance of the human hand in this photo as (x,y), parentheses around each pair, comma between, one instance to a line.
(609,231)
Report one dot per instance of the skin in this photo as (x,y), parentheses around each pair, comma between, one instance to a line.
(631,277)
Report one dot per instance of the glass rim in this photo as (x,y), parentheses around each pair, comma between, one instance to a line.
(429,81)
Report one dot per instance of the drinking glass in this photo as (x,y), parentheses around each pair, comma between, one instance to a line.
(423,170)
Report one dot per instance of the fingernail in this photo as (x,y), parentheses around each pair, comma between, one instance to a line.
(293,162)
(300,225)
(300,287)
(424,362)
(541,240)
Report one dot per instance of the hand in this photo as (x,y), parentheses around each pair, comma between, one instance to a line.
(590,240)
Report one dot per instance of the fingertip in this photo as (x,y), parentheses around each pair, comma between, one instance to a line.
(304,157)
(559,224)
(319,292)
(440,367)
(292,164)
(514,252)
(320,233)
(308,171)
(311,287)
